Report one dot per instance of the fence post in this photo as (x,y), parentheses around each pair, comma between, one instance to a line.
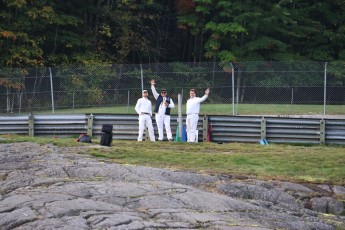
(127,101)
(51,88)
(31,125)
(73,100)
(263,128)
(324,90)
(322,132)
(179,119)
(233,88)
(90,125)
(204,128)
(142,77)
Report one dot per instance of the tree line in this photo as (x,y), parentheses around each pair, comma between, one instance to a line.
(59,33)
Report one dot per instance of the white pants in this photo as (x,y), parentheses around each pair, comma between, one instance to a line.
(163,120)
(192,123)
(145,121)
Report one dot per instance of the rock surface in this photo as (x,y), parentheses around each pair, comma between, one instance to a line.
(49,187)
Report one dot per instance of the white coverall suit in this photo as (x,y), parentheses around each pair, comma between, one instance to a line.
(193,109)
(143,108)
(161,118)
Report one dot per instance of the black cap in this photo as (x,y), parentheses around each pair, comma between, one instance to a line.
(163,90)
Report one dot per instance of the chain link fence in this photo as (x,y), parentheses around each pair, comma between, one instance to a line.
(241,88)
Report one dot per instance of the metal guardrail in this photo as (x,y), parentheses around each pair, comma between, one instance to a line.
(14,124)
(249,129)
(59,125)
(335,131)
(277,130)
(235,129)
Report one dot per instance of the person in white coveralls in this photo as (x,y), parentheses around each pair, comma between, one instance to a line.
(144,109)
(192,110)
(162,109)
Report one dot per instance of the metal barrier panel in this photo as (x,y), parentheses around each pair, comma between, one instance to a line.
(60,125)
(235,129)
(125,127)
(335,131)
(293,130)
(14,124)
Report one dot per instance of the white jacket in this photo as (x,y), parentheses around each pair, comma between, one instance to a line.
(193,104)
(143,106)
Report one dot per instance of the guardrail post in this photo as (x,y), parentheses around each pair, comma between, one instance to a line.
(263,128)
(204,128)
(322,132)
(90,125)
(31,125)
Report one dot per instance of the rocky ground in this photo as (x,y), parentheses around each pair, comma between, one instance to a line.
(49,187)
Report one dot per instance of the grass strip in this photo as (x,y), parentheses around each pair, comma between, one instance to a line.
(222,109)
(295,163)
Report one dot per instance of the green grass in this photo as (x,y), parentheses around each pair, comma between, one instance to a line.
(61,142)
(296,163)
(225,109)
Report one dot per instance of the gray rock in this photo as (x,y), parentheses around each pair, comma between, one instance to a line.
(255,192)
(327,205)
(339,192)
(49,187)
(17,217)
(288,186)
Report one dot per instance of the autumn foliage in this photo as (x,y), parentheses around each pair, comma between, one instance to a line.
(185,6)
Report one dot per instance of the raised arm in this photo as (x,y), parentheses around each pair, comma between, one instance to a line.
(202,99)
(153,88)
